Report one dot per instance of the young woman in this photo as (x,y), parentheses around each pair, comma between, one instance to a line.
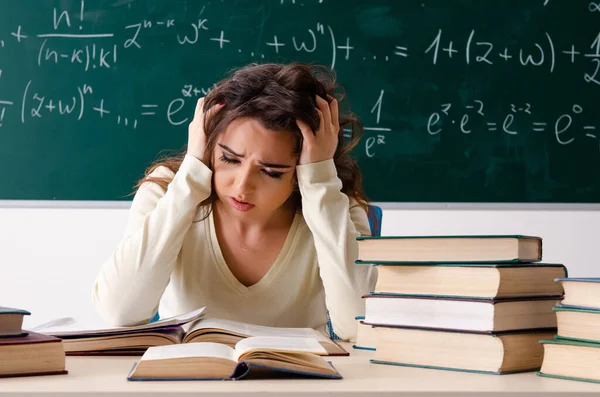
(258,220)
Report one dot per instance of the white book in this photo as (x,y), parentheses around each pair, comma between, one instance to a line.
(483,315)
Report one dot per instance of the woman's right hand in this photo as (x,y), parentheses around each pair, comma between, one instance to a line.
(196,133)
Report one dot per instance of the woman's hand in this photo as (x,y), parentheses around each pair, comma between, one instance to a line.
(321,144)
(196,133)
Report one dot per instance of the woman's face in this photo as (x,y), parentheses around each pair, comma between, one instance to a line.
(253,168)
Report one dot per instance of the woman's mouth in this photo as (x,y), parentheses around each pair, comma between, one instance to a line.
(240,205)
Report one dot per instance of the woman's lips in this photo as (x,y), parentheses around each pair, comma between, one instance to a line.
(240,205)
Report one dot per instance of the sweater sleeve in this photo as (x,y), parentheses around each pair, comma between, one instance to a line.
(335,222)
(130,284)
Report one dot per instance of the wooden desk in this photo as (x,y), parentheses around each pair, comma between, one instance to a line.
(108,375)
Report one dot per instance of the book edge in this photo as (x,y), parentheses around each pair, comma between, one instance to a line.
(568,342)
(453,369)
(494,334)
(359,347)
(491,301)
(507,264)
(581,309)
(460,236)
(547,375)
(295,372)
(62,372)
(578,279)
(12,310)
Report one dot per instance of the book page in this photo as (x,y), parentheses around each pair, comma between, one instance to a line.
(254,330)
(68,326)
(279,344)
(201,349)
(58,324)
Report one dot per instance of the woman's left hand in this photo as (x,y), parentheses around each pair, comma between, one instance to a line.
(320,145)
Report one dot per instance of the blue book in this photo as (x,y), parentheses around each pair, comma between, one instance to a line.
(450,249)
(577,323)
(11,321)
(570,360)
(472,280)
(581,292)
(496,353)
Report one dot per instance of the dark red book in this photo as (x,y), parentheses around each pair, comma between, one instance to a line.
(33,354)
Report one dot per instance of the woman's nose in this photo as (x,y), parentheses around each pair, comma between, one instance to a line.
(244,180)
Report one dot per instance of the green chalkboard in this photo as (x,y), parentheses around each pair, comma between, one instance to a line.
(463,101)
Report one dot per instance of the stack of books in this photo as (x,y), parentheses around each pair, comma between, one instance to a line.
(467,303)
(574,353)
(25,353)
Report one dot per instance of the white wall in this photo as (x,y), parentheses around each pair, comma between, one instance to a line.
(50,257)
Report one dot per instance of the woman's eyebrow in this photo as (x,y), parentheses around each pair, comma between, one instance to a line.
(230,151)
(262,163)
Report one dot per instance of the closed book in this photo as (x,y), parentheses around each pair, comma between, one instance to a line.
(267,356)
(583,292)
(493,280)
(463,314)
(11,321)
(497,353)
(572,360)
(578,323)
(33,354)
(450,249)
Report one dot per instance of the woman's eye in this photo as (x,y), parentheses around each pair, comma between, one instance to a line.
(274,175)
(228,160)
(270,174)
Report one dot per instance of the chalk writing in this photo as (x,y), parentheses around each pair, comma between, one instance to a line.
(72,40)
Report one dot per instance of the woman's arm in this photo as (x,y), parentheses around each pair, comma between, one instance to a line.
(130,284)
(335,224)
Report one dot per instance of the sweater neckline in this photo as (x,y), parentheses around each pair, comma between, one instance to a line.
(272,273)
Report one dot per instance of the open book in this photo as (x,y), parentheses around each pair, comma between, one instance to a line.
(135,340)
(208,360)
(69,327)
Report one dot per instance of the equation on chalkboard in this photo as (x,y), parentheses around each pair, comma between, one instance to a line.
(461,101)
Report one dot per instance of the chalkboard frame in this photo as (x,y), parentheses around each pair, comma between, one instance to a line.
(121,204)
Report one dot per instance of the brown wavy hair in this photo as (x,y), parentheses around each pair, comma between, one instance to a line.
(277,95)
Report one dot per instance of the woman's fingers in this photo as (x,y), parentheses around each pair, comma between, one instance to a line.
(335,116)
(323,125)
(196,129)
(325,113)
(307,133)
(210,113)
(199,114)
(199,106)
